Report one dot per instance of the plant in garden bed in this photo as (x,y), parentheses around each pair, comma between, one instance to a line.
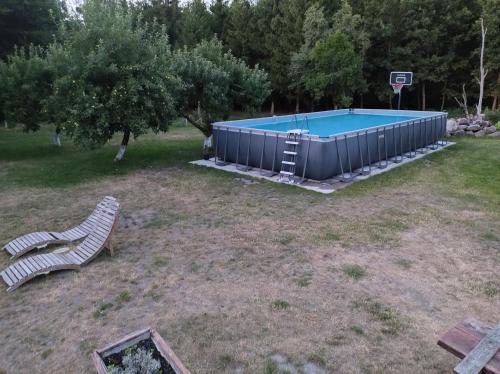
(141,358)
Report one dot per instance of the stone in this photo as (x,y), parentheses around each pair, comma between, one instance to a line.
(469,133)
(463,121)
(462,127)
(479,133)
(473,128)
(459,133)
(451,125)
(490,130)
(496,134)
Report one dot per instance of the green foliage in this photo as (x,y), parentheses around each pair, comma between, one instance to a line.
(356,272)
(195,24)
(26,83)
(28,22)
(492,116)
(167,13)
(120,79)
(337,70)
(216,82)
(279,304)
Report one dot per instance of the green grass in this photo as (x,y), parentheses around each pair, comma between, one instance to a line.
(354,271)
(279,304)
(468,170)
(390,318)
(29,159)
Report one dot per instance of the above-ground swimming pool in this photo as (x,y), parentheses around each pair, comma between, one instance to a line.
(338,143)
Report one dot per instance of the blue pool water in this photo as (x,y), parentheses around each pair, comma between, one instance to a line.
(328,125)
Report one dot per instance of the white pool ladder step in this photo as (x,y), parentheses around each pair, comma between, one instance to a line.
(290,154)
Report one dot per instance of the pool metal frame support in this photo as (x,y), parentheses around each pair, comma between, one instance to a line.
(410,153)
(443,140)
(272,173)
(217,160)
(245,167)
(303,179)
(380,164)
(397,157)
(362,170)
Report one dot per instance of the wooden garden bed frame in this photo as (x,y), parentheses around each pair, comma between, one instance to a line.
(131,339)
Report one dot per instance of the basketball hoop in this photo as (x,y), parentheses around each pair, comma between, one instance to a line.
(397,87)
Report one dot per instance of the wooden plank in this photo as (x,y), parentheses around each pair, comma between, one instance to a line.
(7,279)
(29,265)
(35,265)
(19,269)
(43,260)
(17,245)
(25,267)
(11,275)
(11,249)
(168,353)
(73,258)
(482,353)
(118,345)
(49,259)
(13,269)
(462,338)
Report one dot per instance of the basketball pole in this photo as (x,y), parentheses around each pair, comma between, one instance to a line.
(399,97)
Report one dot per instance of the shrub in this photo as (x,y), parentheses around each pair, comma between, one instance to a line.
(138,361)
(492,116)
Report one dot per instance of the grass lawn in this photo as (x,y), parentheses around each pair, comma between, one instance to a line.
(238,276)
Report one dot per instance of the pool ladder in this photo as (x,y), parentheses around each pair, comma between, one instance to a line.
(290,154)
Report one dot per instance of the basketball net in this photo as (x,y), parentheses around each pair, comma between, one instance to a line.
(397,87)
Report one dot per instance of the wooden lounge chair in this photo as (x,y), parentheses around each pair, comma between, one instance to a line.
(26,243)
(98,239)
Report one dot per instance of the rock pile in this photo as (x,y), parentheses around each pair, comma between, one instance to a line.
(474,126)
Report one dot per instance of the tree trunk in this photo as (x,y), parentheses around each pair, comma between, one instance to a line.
(272,107)
(482,72)
(56,137)
(123,145)
(297,103)
(495,103)
(361,104)
(5,123)
(443,99)
(423,97)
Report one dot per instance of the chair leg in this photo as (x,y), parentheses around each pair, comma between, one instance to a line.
(109,246)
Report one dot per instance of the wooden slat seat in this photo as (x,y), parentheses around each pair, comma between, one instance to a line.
(26,243)
(461,339)
(99,238)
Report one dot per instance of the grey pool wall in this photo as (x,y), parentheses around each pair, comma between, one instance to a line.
(340,156)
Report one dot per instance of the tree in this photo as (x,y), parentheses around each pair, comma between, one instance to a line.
(482,71)
(23,23)
(195,24)
(165,12)
(110,74)
(337,70)
(315,28)
(220,13)
(215,83)
(26,83)
(491,17)
(237,38)
(351,25)
(284,39)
